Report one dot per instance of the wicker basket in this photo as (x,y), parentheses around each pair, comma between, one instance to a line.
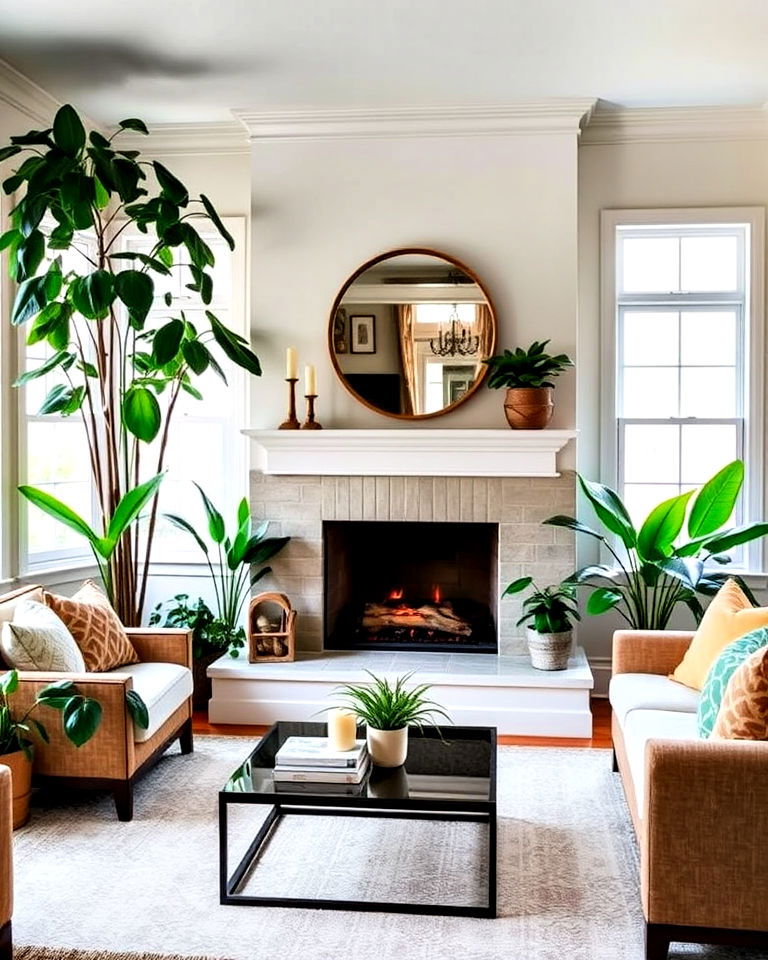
(276,644)
(549,651)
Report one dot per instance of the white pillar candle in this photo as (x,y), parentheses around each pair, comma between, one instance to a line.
(342,729)
(291,364)
(310,381)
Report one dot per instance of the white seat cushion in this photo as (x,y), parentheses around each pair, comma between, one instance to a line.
(163,687)
(648,691)
(644,725)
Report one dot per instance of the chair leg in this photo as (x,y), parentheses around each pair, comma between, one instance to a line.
(614,762)
(6,942)
(657,941)
(123,794)
(186,740)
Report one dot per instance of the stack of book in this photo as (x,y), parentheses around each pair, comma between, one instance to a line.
(311,760)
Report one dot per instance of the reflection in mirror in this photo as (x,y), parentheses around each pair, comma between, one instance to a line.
(409,332)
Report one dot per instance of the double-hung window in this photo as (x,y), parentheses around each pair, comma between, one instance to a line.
(683,337)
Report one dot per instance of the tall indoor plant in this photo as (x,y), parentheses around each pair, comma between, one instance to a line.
(123,375)
(654,570)
(527,376)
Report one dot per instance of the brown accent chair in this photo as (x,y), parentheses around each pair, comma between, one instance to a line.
(6,864)
(699,807)
(117,755)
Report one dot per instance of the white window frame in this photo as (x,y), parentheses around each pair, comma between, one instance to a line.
(753,391)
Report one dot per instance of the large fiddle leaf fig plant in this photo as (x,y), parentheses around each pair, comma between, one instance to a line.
(120,373)
(656,568)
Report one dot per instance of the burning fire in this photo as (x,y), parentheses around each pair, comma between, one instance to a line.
(396,594)
(436,595)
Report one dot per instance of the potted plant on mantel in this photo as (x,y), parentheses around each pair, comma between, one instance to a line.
(548,614)
(388,710)
(527,376)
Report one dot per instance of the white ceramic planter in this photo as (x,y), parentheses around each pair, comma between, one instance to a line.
(550,651)
(388,748)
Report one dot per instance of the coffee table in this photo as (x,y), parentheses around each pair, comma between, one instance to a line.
(450,775)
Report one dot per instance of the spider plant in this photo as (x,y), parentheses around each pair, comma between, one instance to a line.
(382,705)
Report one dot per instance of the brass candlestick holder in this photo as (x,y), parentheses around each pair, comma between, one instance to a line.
(310,423)
(292,423)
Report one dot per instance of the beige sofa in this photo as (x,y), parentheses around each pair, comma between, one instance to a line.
(699,807)
(118,754)
(6,864)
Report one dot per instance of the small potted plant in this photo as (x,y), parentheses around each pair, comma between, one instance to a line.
(527,376)
(548,615)
(388,710)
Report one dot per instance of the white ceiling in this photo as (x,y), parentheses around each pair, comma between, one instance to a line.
(191,60)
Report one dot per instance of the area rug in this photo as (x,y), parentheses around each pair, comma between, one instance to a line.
(568,872)
(54,953)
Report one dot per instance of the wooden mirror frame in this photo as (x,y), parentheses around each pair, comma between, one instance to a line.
(409,251)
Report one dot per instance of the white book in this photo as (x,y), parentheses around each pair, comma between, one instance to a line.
(315,752)
(292,775)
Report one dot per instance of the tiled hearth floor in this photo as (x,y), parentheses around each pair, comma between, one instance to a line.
(506,692)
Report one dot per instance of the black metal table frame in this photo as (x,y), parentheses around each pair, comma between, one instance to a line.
(443,810)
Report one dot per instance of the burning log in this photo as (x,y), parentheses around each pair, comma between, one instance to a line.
(429,616)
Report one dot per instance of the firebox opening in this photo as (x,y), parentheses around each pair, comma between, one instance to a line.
(410,586)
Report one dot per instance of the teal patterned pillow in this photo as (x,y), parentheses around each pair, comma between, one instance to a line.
(721,672)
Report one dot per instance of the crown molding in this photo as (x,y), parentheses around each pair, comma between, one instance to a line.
(24,95)
(190,139)
(532,117)
(610,125)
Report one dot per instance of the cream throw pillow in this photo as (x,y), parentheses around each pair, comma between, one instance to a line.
(36,639)
(729,616)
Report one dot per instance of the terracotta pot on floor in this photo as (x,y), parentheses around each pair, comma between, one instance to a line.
(21,784)
(528,408)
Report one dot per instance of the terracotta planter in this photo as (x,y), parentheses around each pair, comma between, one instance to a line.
(529,408)
(550,651)
(21,784)
(388,748)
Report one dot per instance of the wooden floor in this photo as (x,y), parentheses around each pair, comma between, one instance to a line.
(601,731)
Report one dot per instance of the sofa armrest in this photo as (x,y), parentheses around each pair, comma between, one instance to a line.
(162,645)
(6,847)
(649,651)
(109,753)
(704,841)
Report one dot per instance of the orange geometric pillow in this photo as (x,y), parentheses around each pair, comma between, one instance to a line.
(743,713)
(89,617)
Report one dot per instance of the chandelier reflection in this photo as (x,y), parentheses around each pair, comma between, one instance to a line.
(455,340)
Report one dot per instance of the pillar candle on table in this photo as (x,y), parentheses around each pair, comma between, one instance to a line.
(291,367)
(310,381)
(342,729)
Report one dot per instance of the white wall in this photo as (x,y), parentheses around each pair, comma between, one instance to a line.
(504,205)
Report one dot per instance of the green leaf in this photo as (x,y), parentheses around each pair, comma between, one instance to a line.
(60,358)
(170,186)
(602,599)
(29,255)
(237,352)
(664,523)
(687,571)
(610,510)
(137,291)
(517,586)
(137,709)
(715,501)
(133,123)
(166,255)
(81,719)
(593,571)
(68,131)
(34,138)
(216,220)
(141,413)
(259,551)
(10,237)
(6,152)
(31,297)
(66,515)
(166,342)
(183,524)
(736,536)
(98,140)
(215,519)
(9,682)
(243,514)
(57,399)
(196,355)
(153,262)
(570,523)
(130,506)
(93,295)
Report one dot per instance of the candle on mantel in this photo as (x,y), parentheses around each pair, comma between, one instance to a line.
(342,729)
(291,364)
(310,381)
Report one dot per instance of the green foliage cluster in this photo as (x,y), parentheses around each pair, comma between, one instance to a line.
(548,610)
(526,368)
(385,706)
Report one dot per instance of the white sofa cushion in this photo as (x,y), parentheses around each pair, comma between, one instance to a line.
(163,687)
(641,726)
(649,691)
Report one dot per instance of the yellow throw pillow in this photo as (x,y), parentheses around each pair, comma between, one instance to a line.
(729,616)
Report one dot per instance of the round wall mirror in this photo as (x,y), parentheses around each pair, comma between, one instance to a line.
(408,333)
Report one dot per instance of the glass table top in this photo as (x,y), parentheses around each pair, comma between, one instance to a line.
(452,764)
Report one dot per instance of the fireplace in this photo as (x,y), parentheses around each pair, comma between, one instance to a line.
(410,586)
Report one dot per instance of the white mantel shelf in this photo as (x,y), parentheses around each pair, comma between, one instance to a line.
(409,453)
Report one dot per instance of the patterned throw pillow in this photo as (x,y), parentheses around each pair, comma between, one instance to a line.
(95,626)
(721,672)
(37,639)
(744,711)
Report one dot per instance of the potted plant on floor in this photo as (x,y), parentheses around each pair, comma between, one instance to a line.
(81,717)
(548,614)
(527,376)
(388,710)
